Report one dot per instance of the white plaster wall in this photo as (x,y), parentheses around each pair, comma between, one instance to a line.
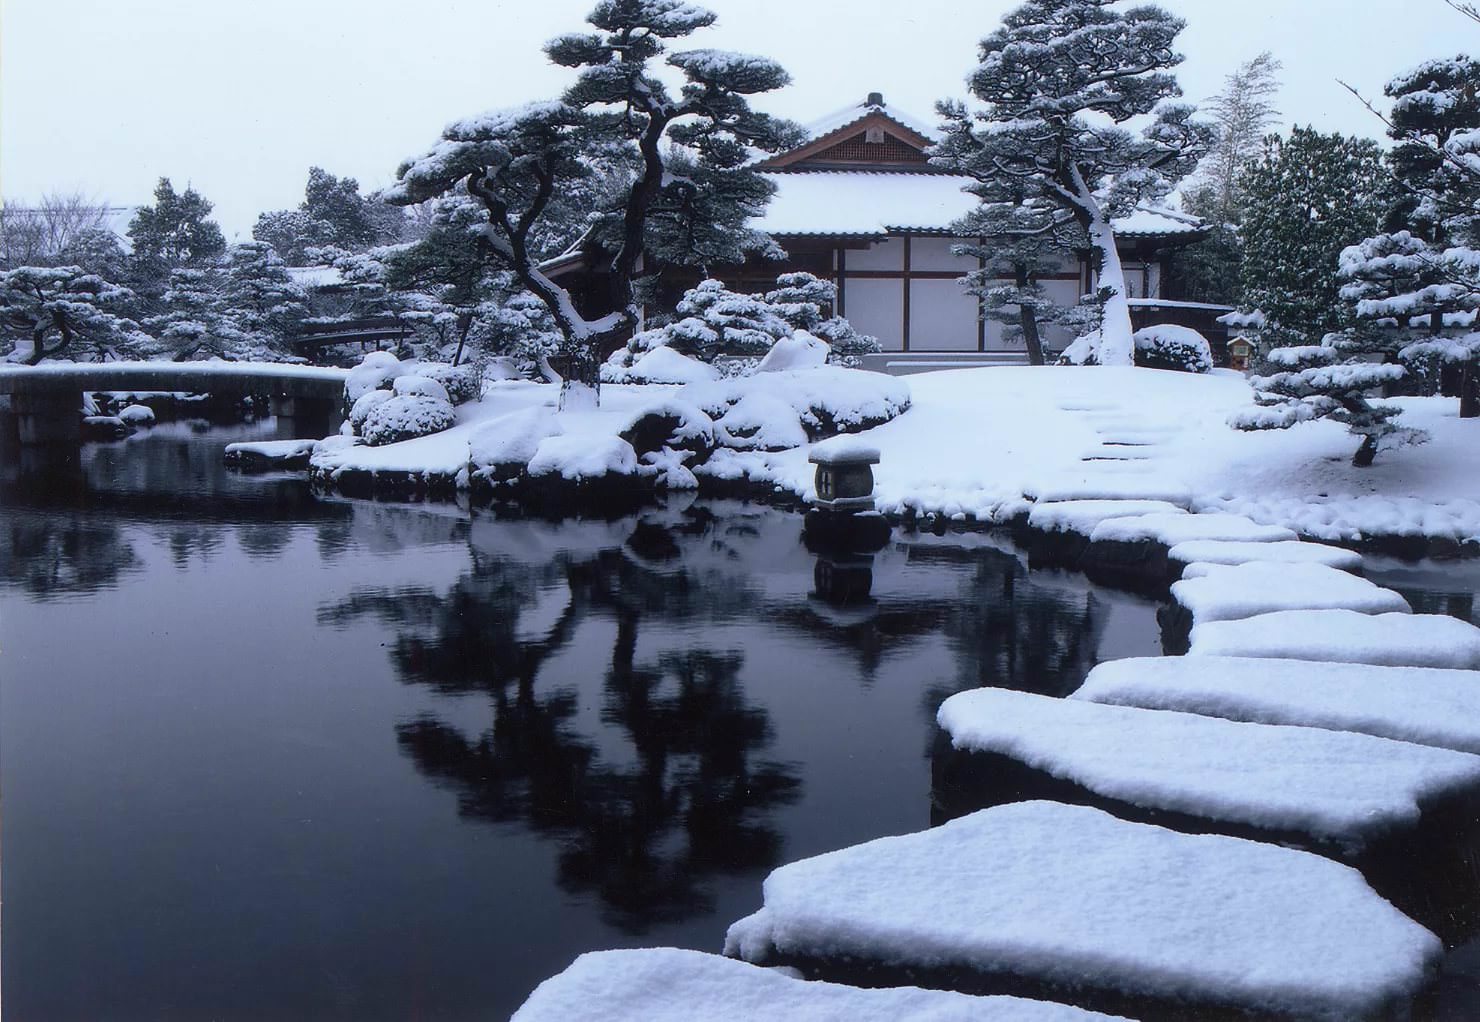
(883,255)
(928,253)
(876,307)
(943,317)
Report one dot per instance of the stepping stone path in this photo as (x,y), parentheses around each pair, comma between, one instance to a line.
(1312,703)
(1230,592)
(1413,704)
(1345,636)
(669,985)
(1337,787)
(1073,899)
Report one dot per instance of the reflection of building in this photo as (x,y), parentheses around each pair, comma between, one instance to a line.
(859,203)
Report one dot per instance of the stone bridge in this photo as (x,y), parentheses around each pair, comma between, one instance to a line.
(46,400)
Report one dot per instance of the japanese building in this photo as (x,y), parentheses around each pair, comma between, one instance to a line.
(860,204)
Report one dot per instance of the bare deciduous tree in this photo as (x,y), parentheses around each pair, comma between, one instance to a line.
(36,234)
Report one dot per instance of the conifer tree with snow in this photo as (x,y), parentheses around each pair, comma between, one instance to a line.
(1059,83)
(1308,197)
(175,231)
(261,305)
(1240,114)
(1419,279)
(1020,241)
(191,325)
(333,214)
(63,311)
(516,162)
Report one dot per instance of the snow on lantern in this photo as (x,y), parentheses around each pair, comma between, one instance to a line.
(845,474)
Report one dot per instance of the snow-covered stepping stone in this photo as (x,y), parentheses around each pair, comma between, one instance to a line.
(1135,548)
(1069,897)
(1226,592)
(1199,552)
(1081,516)
(1333,788)
(1169,530)
(658,984)
(1346,636)
(1412,704)
(1111,485)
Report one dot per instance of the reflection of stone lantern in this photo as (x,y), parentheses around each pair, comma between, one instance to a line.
(842,516)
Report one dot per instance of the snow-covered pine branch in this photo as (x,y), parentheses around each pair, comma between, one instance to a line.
(680,191)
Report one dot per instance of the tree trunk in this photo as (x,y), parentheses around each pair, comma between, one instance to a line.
(464,325)
(1366,452)
(580,380)
(1117,344)
(1469,390)
(1028,320)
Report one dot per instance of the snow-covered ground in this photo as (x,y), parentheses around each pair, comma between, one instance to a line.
(984,443)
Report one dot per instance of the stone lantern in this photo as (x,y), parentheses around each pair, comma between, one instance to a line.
(842,516)
(845,476)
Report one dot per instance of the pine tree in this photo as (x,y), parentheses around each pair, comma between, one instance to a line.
(333,214)
(1421,275)
(1308,197)
(175,231)
(1020,241)
(192,326)
(1241,115)
(58,311)
(1057,82)
(515,162)
(261,304)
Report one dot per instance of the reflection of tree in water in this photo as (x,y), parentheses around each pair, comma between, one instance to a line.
(54,555)
(648,834)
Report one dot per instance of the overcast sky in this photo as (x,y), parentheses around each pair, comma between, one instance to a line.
(240,97)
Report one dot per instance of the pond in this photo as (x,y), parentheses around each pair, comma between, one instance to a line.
(268,755)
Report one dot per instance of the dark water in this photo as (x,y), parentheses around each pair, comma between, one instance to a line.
(265,756)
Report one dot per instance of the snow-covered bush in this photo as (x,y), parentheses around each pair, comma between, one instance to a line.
(461,382)
(715,322)
(583,458)
(1180,348)
(419,386)
(761,422)
(406,417)
(799,351)
(826,400)
(672,424)
(376,371)
(503,448)
(661,364)
(363,406)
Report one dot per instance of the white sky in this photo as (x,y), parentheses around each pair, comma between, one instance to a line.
(240,97)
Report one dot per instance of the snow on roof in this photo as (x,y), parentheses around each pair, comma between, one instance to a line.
(868,203)
(315,276)
(1070,895)
(855,112)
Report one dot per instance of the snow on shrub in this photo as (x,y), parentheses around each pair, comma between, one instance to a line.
(461,382)
(714,322)
(376,371)
(1167,346)
(799,351)
(672,424)
(761,422)
(137,415)
(419,386)
(660,365)
(501,449)
(583,457)
(827,400)
(363,405)
(406,417)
